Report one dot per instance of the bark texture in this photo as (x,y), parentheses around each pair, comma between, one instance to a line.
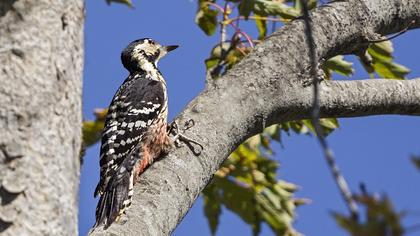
(41,62)
(267,88)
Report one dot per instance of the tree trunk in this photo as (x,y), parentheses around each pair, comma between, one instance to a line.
(41,63)
(266,88)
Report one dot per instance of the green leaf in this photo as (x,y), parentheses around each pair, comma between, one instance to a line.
(275,8)
(272,212)
(380,217)
(390,70)
(253,142)
(212,207)
(126,2)
(381,51)
(339,65)
(235,55)
(246,7)
(299,127)
(219,59)
(329,124)
(274,132)
(296,126)
(261,26)
(211,62)
(286,186)
(247,185)
(206,18)
(382,61)
(219,50)
(92,129)
(308,124)
(254,207)
(239,200)
(267,8)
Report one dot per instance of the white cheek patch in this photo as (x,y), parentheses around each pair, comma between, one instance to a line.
(149,68)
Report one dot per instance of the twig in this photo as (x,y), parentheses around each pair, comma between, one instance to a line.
(216,6)
(237,29)
(395,35)
(223,25)
(223,35)
(329,156)
(254,18)
(256,41)
(241,32)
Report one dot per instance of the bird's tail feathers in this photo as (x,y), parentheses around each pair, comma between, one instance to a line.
(115,199)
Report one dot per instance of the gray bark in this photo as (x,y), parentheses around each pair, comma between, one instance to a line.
(41,62)
(267,88)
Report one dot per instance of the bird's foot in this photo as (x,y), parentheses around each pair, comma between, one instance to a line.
(180,137)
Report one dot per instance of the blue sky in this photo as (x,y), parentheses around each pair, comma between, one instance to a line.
(373,150)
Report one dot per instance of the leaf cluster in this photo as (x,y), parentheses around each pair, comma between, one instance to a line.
(92,129)
(380,217)
(382,62)
(246,184)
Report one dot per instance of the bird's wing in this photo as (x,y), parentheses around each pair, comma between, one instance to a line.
(133,109)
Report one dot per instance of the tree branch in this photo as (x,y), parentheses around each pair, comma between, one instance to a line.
(266,88)
(370,97)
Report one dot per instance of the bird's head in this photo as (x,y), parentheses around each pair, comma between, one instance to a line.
(142,54)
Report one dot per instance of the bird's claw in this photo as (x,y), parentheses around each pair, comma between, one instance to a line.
(174,128)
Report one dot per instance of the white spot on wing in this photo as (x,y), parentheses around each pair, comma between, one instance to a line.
(110,151)
(145,110)
(110,163)
(140,123)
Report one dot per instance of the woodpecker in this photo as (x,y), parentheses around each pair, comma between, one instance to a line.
(135,131)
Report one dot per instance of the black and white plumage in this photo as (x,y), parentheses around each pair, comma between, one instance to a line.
(135,131)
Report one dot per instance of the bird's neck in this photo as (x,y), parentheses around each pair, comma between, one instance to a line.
(149,69)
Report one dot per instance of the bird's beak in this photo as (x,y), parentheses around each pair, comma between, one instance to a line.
(170,48)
